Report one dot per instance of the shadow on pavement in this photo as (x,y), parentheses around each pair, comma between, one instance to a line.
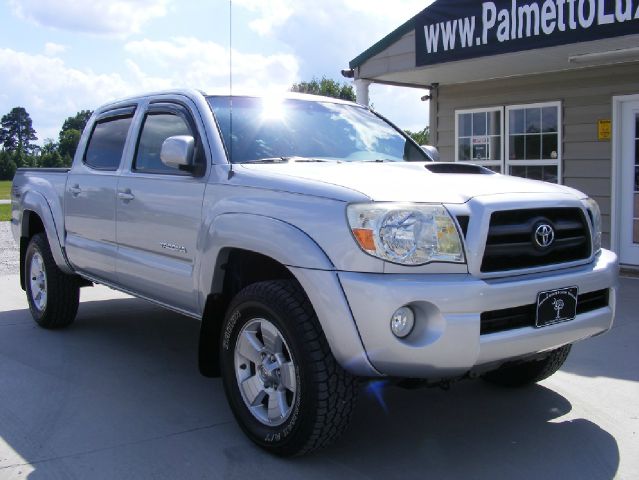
(615,354)
(118,395)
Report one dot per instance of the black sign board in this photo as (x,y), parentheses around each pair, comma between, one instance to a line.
(452,30)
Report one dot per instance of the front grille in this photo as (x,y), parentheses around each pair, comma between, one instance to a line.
(511,239)
(524,316)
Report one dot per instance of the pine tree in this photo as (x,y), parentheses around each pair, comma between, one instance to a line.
(17,133)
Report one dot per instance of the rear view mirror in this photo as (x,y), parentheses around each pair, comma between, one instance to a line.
(177,152)
(431,152)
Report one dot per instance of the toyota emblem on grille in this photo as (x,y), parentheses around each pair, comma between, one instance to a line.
(544,235)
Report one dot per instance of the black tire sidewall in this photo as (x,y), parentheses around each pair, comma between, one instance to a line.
(529,372)
(280,439)
(32,249)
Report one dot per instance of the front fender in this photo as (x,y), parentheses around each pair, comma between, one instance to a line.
(268,236)
(308,263)
(35,203)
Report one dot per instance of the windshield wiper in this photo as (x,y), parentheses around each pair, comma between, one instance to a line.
(309,160)
(286,160)
(268,160)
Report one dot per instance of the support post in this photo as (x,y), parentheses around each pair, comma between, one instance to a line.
(361,91)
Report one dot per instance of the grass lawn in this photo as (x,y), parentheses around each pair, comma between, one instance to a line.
(5,213)
(5,189)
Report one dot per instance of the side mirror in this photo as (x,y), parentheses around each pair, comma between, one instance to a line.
(177,152)
(431,152)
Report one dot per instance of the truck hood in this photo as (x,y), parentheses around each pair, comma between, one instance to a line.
(406,182)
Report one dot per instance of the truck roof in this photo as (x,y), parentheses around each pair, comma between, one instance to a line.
(193,93)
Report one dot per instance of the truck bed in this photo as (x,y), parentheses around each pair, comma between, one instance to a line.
(34,185)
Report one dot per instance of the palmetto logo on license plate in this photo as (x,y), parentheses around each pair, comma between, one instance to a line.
(555,306)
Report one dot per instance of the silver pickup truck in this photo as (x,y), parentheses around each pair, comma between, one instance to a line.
(318,245)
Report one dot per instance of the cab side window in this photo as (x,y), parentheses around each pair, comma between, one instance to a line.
(156,129)
(106,145)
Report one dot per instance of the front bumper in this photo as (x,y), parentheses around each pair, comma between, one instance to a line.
(446,341)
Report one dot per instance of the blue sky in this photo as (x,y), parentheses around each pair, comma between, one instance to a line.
(61,56)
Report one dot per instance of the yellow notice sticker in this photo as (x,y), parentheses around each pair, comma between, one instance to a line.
(605,130)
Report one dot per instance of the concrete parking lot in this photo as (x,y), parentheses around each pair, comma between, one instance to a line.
(118,395)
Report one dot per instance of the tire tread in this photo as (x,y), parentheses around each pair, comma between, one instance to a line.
(336,389)
(63,293)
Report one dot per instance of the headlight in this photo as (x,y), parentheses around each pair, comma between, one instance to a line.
(407,234)
(595,217)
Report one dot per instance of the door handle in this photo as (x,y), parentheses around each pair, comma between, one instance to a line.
(75,190)
(126,196)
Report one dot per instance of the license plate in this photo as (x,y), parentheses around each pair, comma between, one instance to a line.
(556,306)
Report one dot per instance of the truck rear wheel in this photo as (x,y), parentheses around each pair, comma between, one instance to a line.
(529,372)
(285,388)
(53,296)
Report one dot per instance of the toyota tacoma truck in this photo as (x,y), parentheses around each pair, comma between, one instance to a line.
(318,245)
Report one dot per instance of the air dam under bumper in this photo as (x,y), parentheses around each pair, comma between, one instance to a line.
(446,340)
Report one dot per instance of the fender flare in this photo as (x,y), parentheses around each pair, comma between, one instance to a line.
(268,236)
(36,203)
(306,261)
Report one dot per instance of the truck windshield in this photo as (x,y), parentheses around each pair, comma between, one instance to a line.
(267,130)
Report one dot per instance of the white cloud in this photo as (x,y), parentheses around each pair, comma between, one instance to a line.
(52,91)
(194,63)
(271,13)
(119,17)
(326,35)
(394,13)
(54,49)
(276,13)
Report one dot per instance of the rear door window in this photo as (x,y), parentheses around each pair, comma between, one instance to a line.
(106,145)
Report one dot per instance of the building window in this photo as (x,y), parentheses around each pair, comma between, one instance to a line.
(479,137)
(533,141)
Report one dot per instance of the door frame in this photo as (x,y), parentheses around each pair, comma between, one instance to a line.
(616,194)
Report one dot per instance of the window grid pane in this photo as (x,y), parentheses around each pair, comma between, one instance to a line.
(533,137)
(479,137)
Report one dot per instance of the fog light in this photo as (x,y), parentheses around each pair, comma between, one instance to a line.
(402,322)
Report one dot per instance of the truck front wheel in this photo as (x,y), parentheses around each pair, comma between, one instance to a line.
(529,372)
(285,388)
(53,296)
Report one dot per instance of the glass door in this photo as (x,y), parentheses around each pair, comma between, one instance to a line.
(629,227)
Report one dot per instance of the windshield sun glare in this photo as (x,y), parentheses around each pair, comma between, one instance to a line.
(273,127)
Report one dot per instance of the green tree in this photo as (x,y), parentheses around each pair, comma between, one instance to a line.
(50,155)
(326,87)
(70,134)
(17,133)
(422,137)
(22,159)
(68,144)
(7,166)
